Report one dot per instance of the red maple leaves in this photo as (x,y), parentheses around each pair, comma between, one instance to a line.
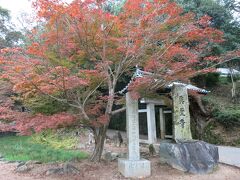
(82,51)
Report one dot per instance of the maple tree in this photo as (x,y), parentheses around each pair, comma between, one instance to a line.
(84,51)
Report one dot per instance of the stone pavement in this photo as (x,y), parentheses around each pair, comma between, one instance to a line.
(229,155)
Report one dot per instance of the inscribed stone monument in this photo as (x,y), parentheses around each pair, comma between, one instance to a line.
(181,117)
(186,154)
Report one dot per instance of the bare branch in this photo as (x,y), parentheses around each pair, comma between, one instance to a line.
(85,100)
(118,111)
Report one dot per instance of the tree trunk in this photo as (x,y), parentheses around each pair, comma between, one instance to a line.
(199,102)
(233,85)
(99,143)
(199,115)
(101,134)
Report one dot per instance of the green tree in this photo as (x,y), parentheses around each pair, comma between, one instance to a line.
(8,36)
(222,15)
(114,7)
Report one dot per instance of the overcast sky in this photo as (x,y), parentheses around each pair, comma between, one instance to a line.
(18,7)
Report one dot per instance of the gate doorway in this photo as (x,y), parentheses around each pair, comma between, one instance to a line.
(164,122)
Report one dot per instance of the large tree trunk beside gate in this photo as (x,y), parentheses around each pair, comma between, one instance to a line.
(200,116)
(99,144)
(100,135)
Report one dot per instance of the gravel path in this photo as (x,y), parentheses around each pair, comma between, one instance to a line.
(229,155)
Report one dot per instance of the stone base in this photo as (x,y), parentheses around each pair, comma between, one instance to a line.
(135,169)
(196,157)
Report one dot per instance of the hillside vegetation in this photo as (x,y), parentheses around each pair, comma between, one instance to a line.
(225,128)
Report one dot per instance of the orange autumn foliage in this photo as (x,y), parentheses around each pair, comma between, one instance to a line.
(84,50)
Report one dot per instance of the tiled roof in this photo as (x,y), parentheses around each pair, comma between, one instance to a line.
(190,87)
(139,73)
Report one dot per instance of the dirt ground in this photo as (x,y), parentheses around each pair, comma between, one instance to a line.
(109,171)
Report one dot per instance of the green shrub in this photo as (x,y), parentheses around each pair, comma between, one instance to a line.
(55,140)
(223,110)
(228,117)
(212,79)
(224,80)
(235,78)
(206,80)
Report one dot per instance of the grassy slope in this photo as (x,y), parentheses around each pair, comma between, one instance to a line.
(21,148)
(226,127)
(220,103)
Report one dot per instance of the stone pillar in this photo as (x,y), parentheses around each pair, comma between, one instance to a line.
(151,123)
(132,128)
(181,115)
(162,123)
(133,166)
